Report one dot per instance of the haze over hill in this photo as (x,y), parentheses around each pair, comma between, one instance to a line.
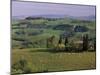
(91,17)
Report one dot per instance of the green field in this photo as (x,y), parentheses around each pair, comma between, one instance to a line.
(35,32)
(30,53)
(46,61)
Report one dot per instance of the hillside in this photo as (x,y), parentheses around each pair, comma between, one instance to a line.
(25,31)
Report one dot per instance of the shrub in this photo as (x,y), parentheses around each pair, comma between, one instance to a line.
(61,46)
(21,66)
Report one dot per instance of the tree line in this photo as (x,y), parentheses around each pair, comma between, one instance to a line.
(84,45)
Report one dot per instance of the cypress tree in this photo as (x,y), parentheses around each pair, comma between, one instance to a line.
(60,40)
(94,45)
(66,40)
(85,42)
(66,43)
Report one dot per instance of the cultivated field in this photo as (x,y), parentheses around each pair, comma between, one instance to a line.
(40,60)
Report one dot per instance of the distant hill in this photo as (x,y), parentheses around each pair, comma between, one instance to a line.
(18,17)
(91,17)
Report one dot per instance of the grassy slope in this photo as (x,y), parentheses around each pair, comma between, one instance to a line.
(49,32)
(40,61)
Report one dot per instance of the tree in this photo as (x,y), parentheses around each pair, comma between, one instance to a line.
(60,45)
(66,40)
(66,44)
(50,41)
(85,42)
(94,45)
(60,40)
